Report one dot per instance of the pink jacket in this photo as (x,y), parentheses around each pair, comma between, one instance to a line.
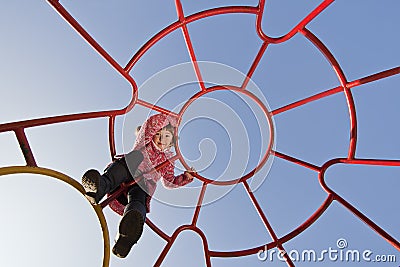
(153,157)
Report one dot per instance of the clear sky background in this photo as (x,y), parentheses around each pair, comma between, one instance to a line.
(47,69)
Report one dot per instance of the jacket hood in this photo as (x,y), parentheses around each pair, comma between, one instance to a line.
(150,127)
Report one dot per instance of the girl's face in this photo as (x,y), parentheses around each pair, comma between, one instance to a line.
(163,139)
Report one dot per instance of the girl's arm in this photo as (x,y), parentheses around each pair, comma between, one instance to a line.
(171,181)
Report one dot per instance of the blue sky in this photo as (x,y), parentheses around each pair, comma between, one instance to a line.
(47,69)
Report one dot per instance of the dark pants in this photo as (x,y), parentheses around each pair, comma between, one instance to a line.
(136,200)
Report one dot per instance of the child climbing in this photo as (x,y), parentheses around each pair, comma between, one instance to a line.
(152,147)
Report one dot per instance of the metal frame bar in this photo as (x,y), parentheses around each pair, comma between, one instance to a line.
(345,87)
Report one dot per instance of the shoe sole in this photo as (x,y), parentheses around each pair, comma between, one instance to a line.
(90,182)
(130,230)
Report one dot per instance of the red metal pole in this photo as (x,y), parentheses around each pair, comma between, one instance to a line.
(343,81)
(292,32)
(352,84)
(267,224)
(111,136)
(189,19)
(350,207)
(297,161)
(25,147)
(19,127)
(254,65)
(189,44)
(199,204)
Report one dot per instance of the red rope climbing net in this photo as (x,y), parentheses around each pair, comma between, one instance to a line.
(345,88)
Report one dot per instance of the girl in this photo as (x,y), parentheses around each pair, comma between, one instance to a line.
(152,147)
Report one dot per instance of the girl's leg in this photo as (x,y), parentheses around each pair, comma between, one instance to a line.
(132,222)
(97,186)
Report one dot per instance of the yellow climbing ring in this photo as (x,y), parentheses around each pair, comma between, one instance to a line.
(62,177)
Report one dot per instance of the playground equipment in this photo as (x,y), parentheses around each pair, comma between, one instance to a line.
(345,87)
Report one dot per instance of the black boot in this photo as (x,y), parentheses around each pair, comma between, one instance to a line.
(131,225)
(97,186)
